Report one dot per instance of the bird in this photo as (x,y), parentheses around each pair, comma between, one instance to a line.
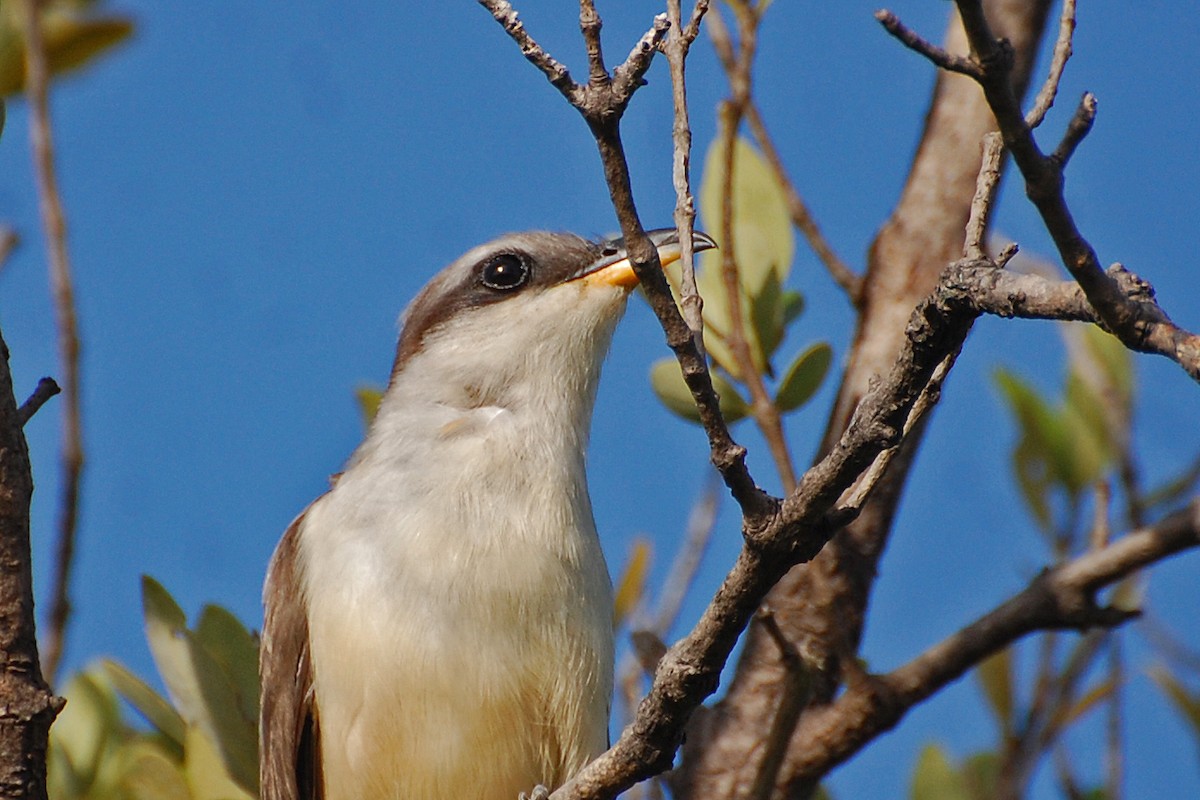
(438,624)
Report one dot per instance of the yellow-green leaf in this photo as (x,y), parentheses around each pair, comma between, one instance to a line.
(804,377)
(201,690)
(936,778)
(150,774)
(632,583)
(995,675)
(667,381)
(206,771)
(72,41)
(762,227)
(236,650)
(149,703)
(368,402)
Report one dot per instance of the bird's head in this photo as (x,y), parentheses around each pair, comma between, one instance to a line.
(518,318)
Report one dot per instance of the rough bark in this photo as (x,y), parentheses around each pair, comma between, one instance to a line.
(821,606)
(27,706)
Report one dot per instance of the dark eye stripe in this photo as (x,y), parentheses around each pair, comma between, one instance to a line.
(504,272)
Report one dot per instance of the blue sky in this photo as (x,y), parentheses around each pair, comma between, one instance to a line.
(254,191)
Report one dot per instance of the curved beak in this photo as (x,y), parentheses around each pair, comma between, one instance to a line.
(613,268)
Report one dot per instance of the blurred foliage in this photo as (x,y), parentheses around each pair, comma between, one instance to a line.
(763,249)
(631,585)
(1065,446)
(1185,702)
(368,398)
(198,743)
(75,35)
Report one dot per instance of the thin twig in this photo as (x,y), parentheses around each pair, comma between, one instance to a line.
(802,217)
(1058,61)
(765,412)
(678,42)
(974,246)
(913,41)
(1114,756)
(792,700)
(1062,597)
(1079,127)
(45,389)
(54,222)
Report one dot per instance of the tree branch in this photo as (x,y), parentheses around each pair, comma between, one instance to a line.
(45,389)
(29,707)
(1059,598)
(37,80)
(1139,330)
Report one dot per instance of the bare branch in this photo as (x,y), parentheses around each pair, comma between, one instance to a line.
(676,48)
(554,71)
(792,702)
(54,222)
(985,192)
(29,705)
(1044,186)
(1063,597)
(931,51)
(45,389)
(1079,127)
(1058,62)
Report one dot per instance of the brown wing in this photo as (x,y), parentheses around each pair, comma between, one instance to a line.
(289,745)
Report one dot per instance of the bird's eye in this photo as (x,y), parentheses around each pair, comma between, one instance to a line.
(505,272)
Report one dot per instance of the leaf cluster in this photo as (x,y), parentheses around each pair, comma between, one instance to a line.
(202,738)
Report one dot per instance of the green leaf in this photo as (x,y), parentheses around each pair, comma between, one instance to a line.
(72,40)
(982,774)
(804,377)
(995,675)
(149,703)
(207,776)
(200,689)
(236,650)
(766,317)
(629,588)
(793,306)
(368,402)
(667,381)
(762,226)
(88,727)
(149,774)
(935,778)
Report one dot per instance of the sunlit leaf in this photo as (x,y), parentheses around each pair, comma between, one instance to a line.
(207,776)
(85,729)
(667,381)
(762,226)
(155,708)
(147,773)
(236,650)
(936,778)
(632,583)
(804,377)
(72,40)
(368,402)
(995,676)
(200,689)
